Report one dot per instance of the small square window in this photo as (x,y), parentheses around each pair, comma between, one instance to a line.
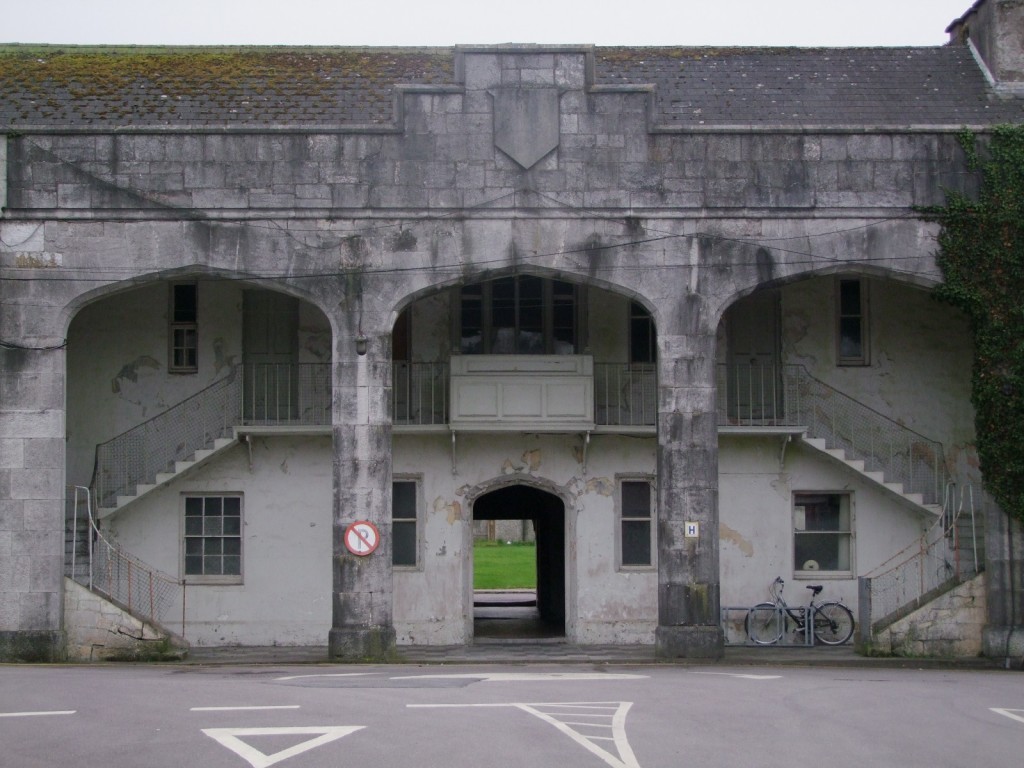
(636,529)
(405,523)
(213,539)
(822,532)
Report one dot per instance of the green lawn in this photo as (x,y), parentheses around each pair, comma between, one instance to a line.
(497,565)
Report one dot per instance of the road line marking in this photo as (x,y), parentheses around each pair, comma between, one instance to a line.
(340,674)
(240,709)
(228,737)
(740,675)
(1013,714)
(516,677)
(551,713)
(38,714)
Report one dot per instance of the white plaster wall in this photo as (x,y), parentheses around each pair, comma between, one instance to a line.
(756,519)
(433,604)
(285,597)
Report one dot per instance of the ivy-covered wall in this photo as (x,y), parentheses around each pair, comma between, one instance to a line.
(982,259)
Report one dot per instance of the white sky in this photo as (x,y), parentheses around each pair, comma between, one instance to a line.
(450,22)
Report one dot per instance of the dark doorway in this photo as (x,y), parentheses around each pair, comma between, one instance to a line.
(526,616)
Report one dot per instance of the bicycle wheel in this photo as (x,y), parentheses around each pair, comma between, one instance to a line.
(833,623)
(764,624)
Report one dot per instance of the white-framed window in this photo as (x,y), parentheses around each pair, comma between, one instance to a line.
(212,538)
(184,328)
(852,336)
(519,315)
(405,522)
(822,532)
(635,504)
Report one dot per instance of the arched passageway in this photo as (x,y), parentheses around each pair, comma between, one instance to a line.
(520,615)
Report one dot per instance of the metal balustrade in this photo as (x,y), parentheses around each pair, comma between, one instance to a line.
(420,394)
(625,394)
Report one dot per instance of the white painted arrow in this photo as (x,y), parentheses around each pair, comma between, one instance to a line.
(1013,714)
(229,737)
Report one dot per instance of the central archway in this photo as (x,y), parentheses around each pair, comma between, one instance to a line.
(546,512)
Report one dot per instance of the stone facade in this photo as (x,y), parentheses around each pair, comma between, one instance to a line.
(603,168)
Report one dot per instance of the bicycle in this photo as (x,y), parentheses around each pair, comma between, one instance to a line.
(767,622)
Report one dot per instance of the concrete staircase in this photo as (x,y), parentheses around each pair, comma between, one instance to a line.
(878,478)
(178,469)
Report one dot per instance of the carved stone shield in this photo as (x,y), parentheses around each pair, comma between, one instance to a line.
(526,123)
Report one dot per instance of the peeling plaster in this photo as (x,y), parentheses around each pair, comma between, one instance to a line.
(508,468)
(533,459)
(725,533)
(603,486)
(220,360)
(130,372)
(452,511)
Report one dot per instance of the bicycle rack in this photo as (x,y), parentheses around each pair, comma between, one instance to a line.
(733,621)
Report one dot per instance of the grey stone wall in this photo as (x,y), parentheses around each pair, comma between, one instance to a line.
(360,223)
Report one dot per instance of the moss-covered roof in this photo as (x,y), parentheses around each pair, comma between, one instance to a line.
(128,86)
(112,88)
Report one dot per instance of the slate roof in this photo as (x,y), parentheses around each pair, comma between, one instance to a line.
(112,88)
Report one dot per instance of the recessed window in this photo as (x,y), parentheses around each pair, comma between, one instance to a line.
(184,328)
(405,523)
(213,538)
(521,315)
(852,322)
(822,532)
(636,533)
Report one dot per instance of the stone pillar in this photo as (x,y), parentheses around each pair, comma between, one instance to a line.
(362,627)
(688,577)
(31,502)
(1003,637)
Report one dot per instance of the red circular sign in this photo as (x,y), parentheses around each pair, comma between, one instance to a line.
(362,538)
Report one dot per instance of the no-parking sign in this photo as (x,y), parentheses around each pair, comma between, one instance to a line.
(362,538)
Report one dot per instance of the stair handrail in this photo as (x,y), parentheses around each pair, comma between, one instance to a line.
(145,592)
(916,461)
(921,570)
(138,454)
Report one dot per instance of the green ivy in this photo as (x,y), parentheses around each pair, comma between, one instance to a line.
(981,255)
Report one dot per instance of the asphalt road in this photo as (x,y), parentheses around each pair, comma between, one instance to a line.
(566,716)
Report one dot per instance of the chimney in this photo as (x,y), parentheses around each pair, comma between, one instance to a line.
(994,29)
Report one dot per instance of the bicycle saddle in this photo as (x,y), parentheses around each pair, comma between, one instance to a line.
(815,588)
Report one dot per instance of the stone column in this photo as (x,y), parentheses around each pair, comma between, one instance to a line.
(31,502)
(1004,572)
(688,577)
(362,626)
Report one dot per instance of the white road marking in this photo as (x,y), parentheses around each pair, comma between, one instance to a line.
(608,717)
(339,674)
(229,737)
(1013,714)
(740,675)
(38,714)
(240,709)
(517,677)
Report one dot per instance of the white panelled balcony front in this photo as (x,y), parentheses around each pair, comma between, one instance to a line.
(536,393)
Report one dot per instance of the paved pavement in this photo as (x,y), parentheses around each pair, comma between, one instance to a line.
(549,652)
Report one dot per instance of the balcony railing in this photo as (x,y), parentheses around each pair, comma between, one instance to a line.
(419,394)
(286,394)
(625,394)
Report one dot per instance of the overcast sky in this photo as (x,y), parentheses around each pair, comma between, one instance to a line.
(450,22)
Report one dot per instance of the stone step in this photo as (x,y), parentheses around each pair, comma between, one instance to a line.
(203,453)
(122,500)
(222,442)
(855,464)
(181,466)
(145,488)
(878,477)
